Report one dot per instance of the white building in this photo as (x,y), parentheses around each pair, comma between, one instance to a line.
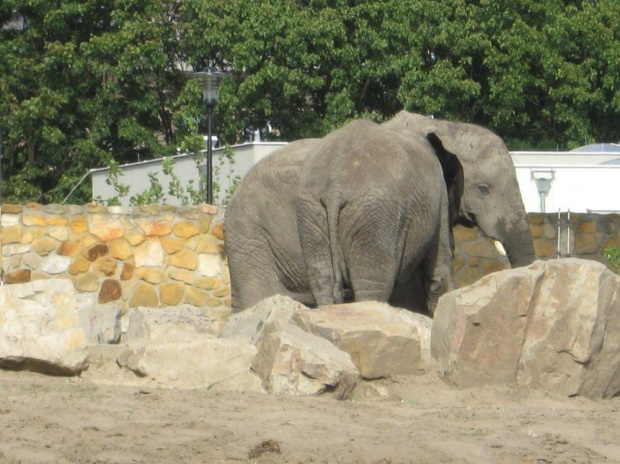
(586,180)
(135,175)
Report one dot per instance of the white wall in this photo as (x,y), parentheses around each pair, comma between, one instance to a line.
(135,175)
(582,182)
(580,189)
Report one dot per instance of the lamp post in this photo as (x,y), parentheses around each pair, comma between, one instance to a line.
(210,79)
(543,181)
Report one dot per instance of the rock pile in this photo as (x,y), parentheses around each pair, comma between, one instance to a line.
(553,326)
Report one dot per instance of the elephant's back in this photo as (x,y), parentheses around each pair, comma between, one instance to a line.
(364,158)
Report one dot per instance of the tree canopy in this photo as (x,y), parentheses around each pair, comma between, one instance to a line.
(86,82)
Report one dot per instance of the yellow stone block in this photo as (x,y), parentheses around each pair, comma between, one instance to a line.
(154,228)
(218,231)
(184,259)
(221,292)
(79,225)
(79,266)
(58,232)
(205,223)
(11,234)
(196,297)
(120,249)
(186,229)
(105,265)
(57,220)
(34,220)
(87,282)
(44,245)
(32,232)
(182,275)
(69,248)
(106,227)
(171,294)
(172,245)
(209,283)
(207,244)
(11,209)
(150,274)
(135,236)
(144,295)
(127,272)
(86,241)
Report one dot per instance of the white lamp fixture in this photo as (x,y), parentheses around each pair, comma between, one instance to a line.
(543,179)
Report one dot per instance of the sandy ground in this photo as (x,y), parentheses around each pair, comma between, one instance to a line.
(59,420)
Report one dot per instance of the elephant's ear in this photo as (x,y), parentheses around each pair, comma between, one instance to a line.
(452,173)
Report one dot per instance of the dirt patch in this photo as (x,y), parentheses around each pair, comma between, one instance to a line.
(62,420)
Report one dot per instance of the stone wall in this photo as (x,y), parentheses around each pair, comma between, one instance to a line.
(148,256)
(165,256)
(580,236)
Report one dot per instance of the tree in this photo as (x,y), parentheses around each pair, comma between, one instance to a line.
(85,82)
(82,82)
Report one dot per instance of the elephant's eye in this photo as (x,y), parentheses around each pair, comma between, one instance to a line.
(484,189)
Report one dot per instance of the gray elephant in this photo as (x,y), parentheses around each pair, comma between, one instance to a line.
(373,208)
(264,251)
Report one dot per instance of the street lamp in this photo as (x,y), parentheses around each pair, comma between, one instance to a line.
(543,181)
(210,79)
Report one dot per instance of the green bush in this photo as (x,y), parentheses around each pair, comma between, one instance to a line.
(612,255)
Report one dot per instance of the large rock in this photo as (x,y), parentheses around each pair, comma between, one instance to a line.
(381,340)
(198,362)
(290,360)
(102,322)
(40,328)
(554,325)
(294,362)
(168,323)
(248,324)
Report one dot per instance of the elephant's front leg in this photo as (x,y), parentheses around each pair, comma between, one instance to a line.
(437,269)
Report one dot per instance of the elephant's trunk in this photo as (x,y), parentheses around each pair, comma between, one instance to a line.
(519,246)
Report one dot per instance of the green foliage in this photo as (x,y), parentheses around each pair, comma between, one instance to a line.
(226,158)
(85,81)
(112,179)
(612,255)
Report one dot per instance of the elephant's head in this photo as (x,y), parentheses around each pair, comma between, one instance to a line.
(491,197)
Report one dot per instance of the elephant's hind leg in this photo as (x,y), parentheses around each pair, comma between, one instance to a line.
(253,277)
(374,255)
(314,237)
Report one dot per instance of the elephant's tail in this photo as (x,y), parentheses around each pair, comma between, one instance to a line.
(333,209)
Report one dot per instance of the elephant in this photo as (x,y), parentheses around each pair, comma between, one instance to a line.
(262,238)
(373,209)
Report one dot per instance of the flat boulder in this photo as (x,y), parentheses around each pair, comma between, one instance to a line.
(381,340)
(196,363)
(554,325)
(40,328)
(170,322)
